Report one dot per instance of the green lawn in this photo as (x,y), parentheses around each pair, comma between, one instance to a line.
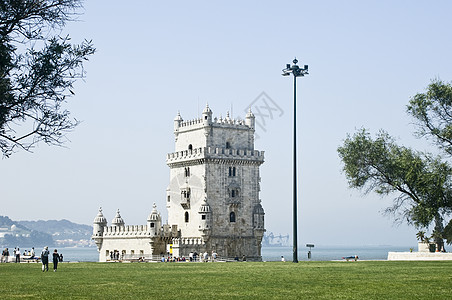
(266,280)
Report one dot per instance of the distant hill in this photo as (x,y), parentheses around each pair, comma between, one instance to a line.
(13,234)
(60,230)
(26,234)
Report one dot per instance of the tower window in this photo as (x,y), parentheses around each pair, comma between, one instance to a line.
(232,171)
(228,145)
(186,194)
(203,217)
(152,225)
(187,217)
(187,172)
(169,198)
(190,147)
(233,193)
(232,217)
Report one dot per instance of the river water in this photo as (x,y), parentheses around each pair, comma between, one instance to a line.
(320,253)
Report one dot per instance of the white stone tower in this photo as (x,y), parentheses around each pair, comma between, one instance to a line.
(213,195)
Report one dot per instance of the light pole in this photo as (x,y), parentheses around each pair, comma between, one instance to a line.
(296,71)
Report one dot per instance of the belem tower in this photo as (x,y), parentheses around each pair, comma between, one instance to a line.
(212,197)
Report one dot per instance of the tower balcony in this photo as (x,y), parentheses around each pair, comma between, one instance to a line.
(206,153)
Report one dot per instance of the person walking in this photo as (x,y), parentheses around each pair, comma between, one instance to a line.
(45,258)
(56,258)
(17,255)
(6,255)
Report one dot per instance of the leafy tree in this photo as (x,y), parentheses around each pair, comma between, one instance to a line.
(421,182)
(38,69)
(433,112)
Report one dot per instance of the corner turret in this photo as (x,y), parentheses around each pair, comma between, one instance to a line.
(177,120)
(205,213)
(117,221)
(99,223)
(258,217)
(154,221)
(207,115)
(98,228)
(250,119)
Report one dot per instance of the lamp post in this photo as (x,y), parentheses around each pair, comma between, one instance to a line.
(296,71)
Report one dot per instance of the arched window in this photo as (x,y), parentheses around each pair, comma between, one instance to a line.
(232,171)
(186,217)
(190,147)
(228,145)
(187,172)
(232,217)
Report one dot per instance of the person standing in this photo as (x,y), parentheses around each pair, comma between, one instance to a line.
(45,259)
(32,253)
(6,255)
(56,258)
(17,255)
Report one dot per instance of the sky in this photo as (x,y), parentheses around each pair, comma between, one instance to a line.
(155,58)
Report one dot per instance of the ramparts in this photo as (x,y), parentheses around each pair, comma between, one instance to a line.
(219,153)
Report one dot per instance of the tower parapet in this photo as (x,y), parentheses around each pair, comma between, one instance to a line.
(198,155)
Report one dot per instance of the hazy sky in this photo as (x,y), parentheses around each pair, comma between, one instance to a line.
(155,58)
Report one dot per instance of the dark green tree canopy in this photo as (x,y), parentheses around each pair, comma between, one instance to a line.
(38,68)
(421,182)
(433,112)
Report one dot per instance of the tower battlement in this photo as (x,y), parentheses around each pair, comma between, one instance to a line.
(215,153)
(217,122)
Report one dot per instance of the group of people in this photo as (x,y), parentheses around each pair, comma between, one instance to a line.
(56,257)
(45,259)
(114,255)
(192,257)
(16,254)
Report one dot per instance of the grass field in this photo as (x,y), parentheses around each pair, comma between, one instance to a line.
(266,280)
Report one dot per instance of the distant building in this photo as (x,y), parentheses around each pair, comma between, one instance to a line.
(212,198)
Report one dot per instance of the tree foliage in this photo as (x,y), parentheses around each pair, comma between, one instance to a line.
(421,182)
(433,112)
(38,69)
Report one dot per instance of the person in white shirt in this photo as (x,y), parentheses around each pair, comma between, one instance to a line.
(17,255)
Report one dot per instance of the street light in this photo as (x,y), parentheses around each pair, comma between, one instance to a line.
(296,71)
